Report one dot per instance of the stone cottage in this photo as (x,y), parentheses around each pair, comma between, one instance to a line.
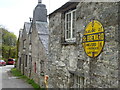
(39,44)
(84,45)
(39,54)
(36,46)
(22,54)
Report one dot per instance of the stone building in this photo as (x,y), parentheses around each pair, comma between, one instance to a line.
(33,46)
(22,54)
(80,50)
(71,65)
(39,54)
(39,44)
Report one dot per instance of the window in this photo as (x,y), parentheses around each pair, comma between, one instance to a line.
(30,38)
(26,61)
(24,44)
(70,20)
(79,81)
(30,61)
(42,67)
(35,67)
(30,47)
(20,63)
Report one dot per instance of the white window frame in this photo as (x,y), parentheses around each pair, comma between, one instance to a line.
(79,81)
(71,27)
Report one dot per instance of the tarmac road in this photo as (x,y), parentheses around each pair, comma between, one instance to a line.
(9,81)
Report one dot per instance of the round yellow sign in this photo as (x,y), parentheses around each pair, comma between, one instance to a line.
(93,38)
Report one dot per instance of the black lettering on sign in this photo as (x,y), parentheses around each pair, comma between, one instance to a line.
(93,37)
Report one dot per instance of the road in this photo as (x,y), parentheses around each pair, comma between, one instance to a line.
(9,81)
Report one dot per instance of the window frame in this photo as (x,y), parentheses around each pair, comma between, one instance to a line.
(71,39)
(30,37)
(79,81)
(30,61)
(42,64)
(35,67)
(24,43)
(26,61)
(30,47)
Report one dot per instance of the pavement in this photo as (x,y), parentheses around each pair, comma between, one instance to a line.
(9,81)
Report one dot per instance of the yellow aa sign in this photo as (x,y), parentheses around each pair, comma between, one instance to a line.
(93,38)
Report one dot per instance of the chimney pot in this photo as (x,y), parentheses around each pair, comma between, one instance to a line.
(39,1)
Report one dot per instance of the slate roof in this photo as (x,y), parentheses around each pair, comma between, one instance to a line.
(27,26)
(42,27)
(94,0)
(43,32)
(68,5)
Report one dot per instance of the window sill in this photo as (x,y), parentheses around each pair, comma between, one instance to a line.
(68,43)
(77,73)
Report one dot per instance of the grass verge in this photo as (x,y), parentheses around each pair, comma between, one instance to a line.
(18,74)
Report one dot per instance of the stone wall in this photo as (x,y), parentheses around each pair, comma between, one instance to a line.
(22,52)
(54,48)
(67,61)
(38,56)
(103,70)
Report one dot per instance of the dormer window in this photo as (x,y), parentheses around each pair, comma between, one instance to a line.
(70,21)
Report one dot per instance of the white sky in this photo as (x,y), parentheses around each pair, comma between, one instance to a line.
(13,13)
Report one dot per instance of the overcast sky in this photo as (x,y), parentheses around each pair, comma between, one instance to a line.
(13,13)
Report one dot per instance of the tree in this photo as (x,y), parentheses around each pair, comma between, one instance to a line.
(9,49)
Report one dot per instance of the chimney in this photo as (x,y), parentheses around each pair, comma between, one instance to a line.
(40,12)
(39,1)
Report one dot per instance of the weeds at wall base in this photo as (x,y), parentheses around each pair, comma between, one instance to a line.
(18,74)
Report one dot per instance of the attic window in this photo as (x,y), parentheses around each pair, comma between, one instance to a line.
(70,21)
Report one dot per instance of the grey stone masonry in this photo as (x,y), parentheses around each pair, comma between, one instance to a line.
(39,48)
(103,70)
(63,58)
(68,61)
